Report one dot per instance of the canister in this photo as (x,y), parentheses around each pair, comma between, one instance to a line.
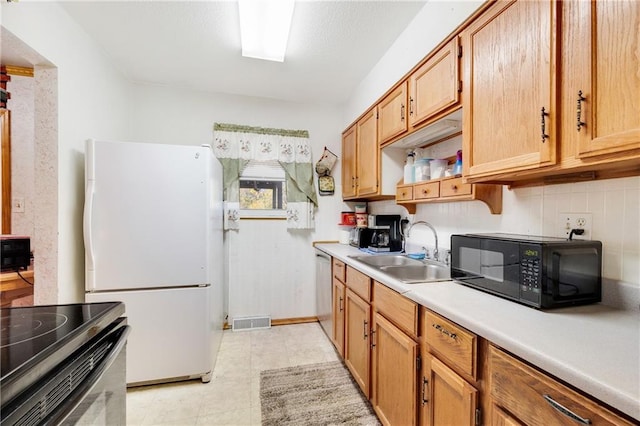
(422,169)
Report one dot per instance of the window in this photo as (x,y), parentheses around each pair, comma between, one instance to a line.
(262,190)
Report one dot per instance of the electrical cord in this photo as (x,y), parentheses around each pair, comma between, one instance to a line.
(576,232)
(23,278)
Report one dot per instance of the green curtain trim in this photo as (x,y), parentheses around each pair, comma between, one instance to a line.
(225,127)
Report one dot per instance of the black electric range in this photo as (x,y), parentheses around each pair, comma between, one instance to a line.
(36,341)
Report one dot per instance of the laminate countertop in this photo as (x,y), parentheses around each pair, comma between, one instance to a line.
(595,348)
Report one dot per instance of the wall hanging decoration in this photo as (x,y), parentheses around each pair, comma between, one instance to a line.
(326,184)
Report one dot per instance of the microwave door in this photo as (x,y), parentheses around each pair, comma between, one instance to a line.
(574,273)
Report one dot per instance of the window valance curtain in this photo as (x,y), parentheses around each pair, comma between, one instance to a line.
(236,145)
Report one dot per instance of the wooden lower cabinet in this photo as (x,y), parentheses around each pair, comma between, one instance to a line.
(531,397)
(337,335)
(357,353)
(394,373)
(447,399)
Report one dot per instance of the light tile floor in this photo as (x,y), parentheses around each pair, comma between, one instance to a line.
(233,395)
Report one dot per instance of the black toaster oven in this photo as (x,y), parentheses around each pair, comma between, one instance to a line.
(15,253)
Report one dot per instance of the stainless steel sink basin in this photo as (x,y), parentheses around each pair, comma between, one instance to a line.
(387,260)
(411,274)
(406,269)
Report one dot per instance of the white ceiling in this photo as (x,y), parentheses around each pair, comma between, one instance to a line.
(196,44)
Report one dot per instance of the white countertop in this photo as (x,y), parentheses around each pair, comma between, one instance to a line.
(595,348)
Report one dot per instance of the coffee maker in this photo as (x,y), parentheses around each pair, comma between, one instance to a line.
(384,232)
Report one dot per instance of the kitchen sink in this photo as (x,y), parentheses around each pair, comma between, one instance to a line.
(406,269)
(387,260)
(411,274)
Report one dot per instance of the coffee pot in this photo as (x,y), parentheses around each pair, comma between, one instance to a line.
(380,238)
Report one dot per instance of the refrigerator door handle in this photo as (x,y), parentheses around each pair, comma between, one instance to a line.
(87,231)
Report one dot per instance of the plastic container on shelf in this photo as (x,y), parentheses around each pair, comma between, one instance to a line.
(457,168)
(437,168)
(408,169)
(422,169)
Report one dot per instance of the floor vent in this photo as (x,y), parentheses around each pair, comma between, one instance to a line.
(251,323)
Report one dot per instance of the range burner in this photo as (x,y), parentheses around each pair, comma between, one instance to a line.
(36,339)
(20,328)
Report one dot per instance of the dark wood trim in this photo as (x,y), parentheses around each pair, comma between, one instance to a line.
(5,120)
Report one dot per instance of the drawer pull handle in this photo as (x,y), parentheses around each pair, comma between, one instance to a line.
(560,408)
(425,385)
(444,331)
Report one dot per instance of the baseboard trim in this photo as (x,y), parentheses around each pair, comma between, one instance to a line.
(282,321)
(289,321)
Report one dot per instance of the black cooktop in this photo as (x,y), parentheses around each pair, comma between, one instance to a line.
(33,340)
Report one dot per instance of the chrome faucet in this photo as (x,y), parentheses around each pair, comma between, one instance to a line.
(435,235)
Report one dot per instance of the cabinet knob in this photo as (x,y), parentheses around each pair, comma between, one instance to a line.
(425,191)
(454,188)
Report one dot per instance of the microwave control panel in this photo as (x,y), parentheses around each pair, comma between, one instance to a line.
(530,272)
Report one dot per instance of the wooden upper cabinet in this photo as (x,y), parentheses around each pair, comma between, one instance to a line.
(367,163)
(435,86)
(601,81)
(392,114)
(509,94)
(349,163)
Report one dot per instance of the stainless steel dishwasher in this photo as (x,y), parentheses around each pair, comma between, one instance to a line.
(324,291)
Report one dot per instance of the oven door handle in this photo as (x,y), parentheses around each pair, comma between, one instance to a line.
(63,411)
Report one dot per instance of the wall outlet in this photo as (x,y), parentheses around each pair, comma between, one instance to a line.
(569,221)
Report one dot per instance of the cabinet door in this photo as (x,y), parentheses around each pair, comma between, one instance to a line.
(392,114)
(447,399)
(500,418)
(367,151)
(338,316)
(599,40)
(349,163)
(434,86)
(357,354)
(508,97)
(393,374)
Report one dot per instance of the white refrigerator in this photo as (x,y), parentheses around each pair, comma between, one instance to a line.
(153,240)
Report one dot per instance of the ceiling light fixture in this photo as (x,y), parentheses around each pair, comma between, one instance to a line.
(264,28)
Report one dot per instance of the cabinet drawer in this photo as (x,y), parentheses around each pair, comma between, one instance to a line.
(396,308)
(426,190)
(339,270)
(531,396)
(452,187)
(359,283)
(453,342)
(404,193)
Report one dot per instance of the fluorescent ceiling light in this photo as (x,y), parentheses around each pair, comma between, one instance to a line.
(264,28)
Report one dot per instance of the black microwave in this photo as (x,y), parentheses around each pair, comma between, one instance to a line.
(542,272)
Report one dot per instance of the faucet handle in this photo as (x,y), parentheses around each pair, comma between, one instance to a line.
(426,252)
(447,257)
